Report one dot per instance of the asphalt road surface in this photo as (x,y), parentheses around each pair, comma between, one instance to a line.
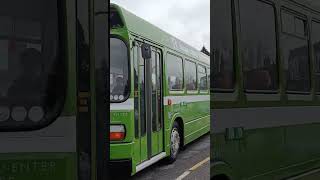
(192,164)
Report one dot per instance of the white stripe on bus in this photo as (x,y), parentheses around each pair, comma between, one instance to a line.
(60,136)
(128,105)
(264,117)
(186,99)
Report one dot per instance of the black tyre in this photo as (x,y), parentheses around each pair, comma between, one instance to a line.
(175,142)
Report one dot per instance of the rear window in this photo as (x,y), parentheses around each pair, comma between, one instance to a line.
(31,70)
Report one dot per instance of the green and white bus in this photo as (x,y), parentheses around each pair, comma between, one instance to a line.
(265,89)
(53,65)
(159,93)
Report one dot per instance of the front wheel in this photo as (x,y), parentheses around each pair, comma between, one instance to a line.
(175,140)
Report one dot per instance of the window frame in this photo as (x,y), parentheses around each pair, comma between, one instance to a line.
(206,75)
(295,14)
(209,78)
(49,117)
(121,24)
(235,46)
(197,86)
(175,91)
(313,59)
(277,41)
(129,66)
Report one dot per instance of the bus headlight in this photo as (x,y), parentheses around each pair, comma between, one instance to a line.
(117,132)
(36,113)
(4,114)
(19,113)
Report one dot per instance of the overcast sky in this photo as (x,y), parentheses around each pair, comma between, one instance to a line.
(188,20)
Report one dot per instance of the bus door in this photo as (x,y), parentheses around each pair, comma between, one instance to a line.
(151,107)
(91,87)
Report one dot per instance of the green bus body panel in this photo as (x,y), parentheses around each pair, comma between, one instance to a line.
(201,130)
(195,116)
(275,154)
(121,150)
(124,118)
(38,166)
(278,151)
(221,168)
(129,147)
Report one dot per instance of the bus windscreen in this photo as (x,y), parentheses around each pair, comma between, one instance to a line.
(119,70)
(29,63)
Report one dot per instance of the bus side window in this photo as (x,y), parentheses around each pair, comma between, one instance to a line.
(154,81)
(175,72)
(203,80)
(316,51)
(143,124)
(223,61)
(259,44)
(190,75)
(209,80)
(159,70)
(136,89)
(296,53)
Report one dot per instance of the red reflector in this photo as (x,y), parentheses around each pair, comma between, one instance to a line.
(116,136)
(169,102)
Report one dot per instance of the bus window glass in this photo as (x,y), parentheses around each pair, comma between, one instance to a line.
(175,72)
(143,122)
(136,89)
(153,71)
(190,72)
(4,55)
(259,45)
(119,71)
(209,79)
(316,47)
(28,30)
(203,81)
(154,75)
(159,70)
(222,40)
(296,60)
(6,27)
(31,70)
(288,23)
(300,27)
(159,61)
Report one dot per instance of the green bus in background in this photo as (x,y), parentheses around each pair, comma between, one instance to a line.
(265,89)
(53,121)
(159,93)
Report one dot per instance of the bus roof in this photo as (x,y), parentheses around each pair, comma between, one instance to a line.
(141,27)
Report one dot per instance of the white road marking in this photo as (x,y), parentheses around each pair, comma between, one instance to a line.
(305,174)
(195,167)
(185,174)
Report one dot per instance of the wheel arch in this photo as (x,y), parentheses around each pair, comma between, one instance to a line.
(177,118)
(220,169)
